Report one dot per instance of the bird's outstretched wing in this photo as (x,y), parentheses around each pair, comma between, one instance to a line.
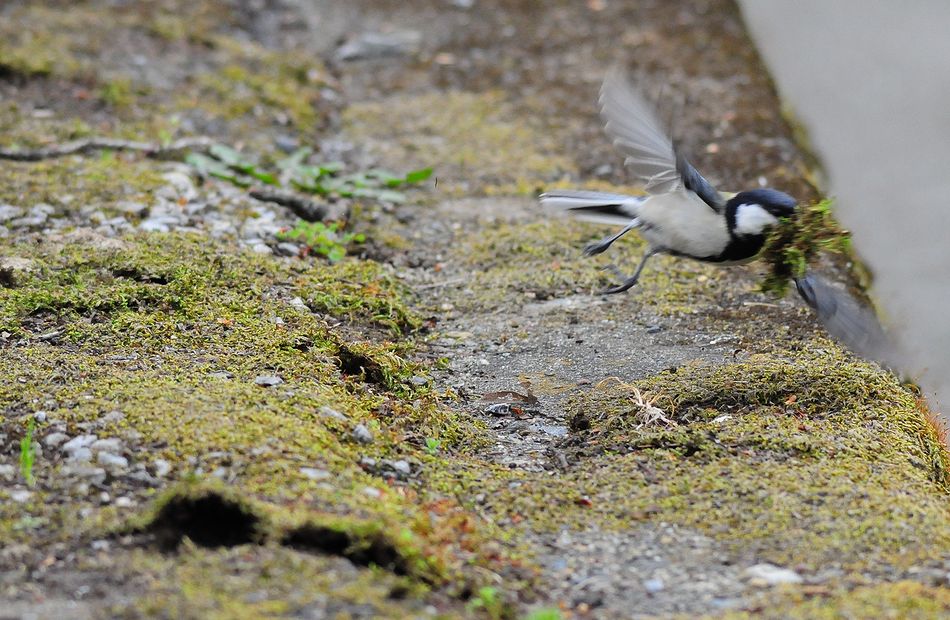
(651,155)
(848,321)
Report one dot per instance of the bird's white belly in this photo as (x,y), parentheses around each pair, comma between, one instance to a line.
(681,222)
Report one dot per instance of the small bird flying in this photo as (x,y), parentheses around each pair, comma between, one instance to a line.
(683,215)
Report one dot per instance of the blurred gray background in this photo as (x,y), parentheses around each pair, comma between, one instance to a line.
(870,82)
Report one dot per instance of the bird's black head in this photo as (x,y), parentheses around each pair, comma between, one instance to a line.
(754,211)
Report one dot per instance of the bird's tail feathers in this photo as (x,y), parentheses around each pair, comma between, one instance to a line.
(594,206)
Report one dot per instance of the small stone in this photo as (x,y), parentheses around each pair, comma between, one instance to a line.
(104,498)
(287,144)
(154,225)
(368,463)
(333,414)
(315,474)
(221,374)
(7,472)
(162,467)
(10,212)
(379,45)
(299,304)
(93,475)
(268,380)
(373,492)
(14,268)
(112,461)
(138,209)
(54,440)
(653,585)
(106,445)
(261,248)
(100,545)
(770,575)
(285,248)
(362,434)
(144,478)
(402,467)
(78,442)
(182,185)
(113,417)
(417,380)
(40,416)
(124,502)
(20,495)
(80,455)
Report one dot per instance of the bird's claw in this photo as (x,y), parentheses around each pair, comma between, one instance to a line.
(592,249)
(625,285)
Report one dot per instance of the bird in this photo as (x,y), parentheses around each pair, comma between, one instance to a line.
(683,215)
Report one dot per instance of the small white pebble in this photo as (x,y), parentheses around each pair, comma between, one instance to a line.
(373,492)
(20,495)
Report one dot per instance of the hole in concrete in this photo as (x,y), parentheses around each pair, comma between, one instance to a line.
(352,363)
(363,550)
(209,520)
(138,276)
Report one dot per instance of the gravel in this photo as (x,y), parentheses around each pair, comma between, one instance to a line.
(315,474)
(268,380)
(654,569)
(763,575)
(362,434)
(78,442)
(161,467)
(112,461)
(54,440)
(106,445)
(333,414)
(80,455)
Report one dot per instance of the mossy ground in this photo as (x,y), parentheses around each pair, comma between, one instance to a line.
(172,331)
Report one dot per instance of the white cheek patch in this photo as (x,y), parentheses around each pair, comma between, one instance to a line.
(752,219)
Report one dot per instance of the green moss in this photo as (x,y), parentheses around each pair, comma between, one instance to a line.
(478,140)
(73,182)
(811,461)
(36,40)
(515,263)
(263,581)
(903,599)
(171,331)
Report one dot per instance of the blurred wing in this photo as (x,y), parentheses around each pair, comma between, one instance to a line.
(651,156)
(849,322)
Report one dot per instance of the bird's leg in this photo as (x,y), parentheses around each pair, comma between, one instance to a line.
(602,245)
(632,280)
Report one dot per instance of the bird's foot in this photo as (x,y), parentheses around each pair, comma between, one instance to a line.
(592,249)
(626,285)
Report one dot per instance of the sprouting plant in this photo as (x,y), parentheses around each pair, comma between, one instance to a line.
(322,239)
(326,179)
(433,445)
(28,454)
(545,614)
(489,601)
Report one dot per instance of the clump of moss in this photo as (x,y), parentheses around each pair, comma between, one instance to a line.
(805,459)
(902,599)
(795,241)
(817,403)
(66,182)
(517,263)
(160,340)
